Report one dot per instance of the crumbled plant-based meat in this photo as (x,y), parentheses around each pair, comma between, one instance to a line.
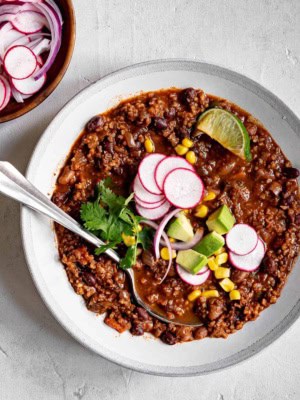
(262,193)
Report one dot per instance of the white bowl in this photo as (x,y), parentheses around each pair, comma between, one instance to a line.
(147,354)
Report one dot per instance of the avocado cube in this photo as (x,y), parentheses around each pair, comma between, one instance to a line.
(209,244)
(191,261)
(221,220)
(181,228)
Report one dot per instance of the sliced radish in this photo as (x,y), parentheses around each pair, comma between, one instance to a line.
(194,280)
(150,206)
(10,37)
(165,166)
(2,92)
(29,85)
(203,270)
(155,213)
(249,262)
(144,195)
(29,21)
(7,92)
(20,62)
(17,95)
(241,239)
(146,172)
(183,188)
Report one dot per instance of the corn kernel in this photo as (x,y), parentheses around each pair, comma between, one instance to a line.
(201,211)
(210,196)
(235,295)
(221,258)
(222,272)
(194,295)
(164,253)
(210,293)
(213,266)
(172,240)
(220,251)
(149,146)
(138,229)
(128,240)
(187,143)
(191,157)
(181,150)
(227,285)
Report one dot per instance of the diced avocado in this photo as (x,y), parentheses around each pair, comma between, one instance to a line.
(221,220)
(209,244)
(181,228)
(191,260)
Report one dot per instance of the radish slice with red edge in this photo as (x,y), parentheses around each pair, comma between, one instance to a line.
(29,86)
(165,166)
(20,62)
(249,262)
(144,195)
(194,280)
(183,188)
(7,92)
(146,172)
(160,230)
(241,239)
(155,213)
(148,205)
(203,270)
(2,92)
(17,95)
(29,21)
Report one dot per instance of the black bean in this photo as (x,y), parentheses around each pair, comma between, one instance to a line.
(89,278)
(137,330)
(170,113)
(94,123)
(290,172)
(160,123)
(270,265)
(168,338)
(278,242)
(109,146)
(142,313)
(188,95)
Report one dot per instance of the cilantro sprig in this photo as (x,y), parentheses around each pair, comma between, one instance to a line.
(111,219)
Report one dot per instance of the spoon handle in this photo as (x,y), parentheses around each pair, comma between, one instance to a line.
(13,184)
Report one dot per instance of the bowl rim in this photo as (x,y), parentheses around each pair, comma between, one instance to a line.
(44,94)
(151,66)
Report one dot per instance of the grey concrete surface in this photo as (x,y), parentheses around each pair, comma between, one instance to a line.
(38,359)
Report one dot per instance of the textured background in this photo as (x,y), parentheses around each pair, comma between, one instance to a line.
(38,359)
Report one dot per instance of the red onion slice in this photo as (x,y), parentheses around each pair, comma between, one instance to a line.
(167,244)
(186,245)
(160,230)
(56,33)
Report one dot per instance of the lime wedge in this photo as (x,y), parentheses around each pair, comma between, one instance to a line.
(226,129)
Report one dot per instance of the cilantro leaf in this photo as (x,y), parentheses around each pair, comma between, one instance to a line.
(145,237)
(130,258)
(104,247)
(94,217)
(110,218)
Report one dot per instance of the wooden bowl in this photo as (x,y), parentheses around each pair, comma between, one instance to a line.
(55,74)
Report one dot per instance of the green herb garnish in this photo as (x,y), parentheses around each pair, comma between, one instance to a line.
(111,219)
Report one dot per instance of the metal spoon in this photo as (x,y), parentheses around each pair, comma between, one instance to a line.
(13,184)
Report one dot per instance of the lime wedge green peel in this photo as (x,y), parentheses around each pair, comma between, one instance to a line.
(226,129)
